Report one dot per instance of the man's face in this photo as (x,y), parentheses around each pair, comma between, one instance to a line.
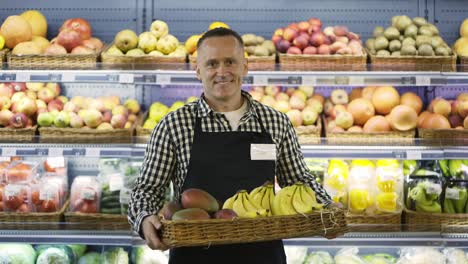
(221,66)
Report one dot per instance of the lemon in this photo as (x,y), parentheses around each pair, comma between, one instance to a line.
(362,163)
(2,42)
(217,24)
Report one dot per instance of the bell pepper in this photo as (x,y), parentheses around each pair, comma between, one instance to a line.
(387,201)
(359,199)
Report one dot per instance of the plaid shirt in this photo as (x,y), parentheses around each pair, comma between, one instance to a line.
(168,153)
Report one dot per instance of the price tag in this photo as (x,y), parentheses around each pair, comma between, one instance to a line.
(56,162)
(88,193)
(356,80)
(124,197)
(433,188)
(163,79)
(12,190)
(9,152)
(68,77)
(452,193)
(413,155)
(93,152)
(55,152)
(341,80)
(42,152)
(22,77)
(260,80)
(423,80)
(126,78)
(115,182)
(48,192)
(55,77)
(309,80)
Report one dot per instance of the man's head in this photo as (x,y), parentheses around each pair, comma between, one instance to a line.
(221,64)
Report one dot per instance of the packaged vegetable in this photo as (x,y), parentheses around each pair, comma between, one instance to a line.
(348,256)
(57,165)
(61,181)
(17,253)
(85,195)
(115,256)
(111,186)
(455,256)
(317,168)
(336,181)
(422,255)
(45,196)
(455,197)
(17,198)
(388,186)
(21,171)
(319,257)
(380,258)
(110,165)
(130,171)
(424,194)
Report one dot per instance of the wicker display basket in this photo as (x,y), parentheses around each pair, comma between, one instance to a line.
(40,61)
(17,134)
(3,54)
(463,63)
(80,135)
(145,61)
(423,222)
(33,220)
(255,63)
(222,231)
(448,136)
(291,62)
(413,63)
(98,221)
(374,223)
(310,134)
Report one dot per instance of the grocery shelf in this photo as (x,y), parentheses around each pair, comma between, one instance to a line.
(285,78)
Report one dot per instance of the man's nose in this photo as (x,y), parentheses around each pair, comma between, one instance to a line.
(222,69)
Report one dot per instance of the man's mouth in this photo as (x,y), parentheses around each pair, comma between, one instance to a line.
(223,81)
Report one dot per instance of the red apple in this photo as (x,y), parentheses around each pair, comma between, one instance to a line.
(290,34)
(283,46)
(324,49)
(303,26)
(18,120)
(340,30)
(69,39)
(6,90)
(294,50)
(93,43)
(352,35)
(18,86)
(55,49)
(55,105)
(82,50)
(310,50)
(276,39)
(301,42)
(317,39)
(278,32)
(315,21)
(295,116)
(79,25)
(313,28)
(294,26)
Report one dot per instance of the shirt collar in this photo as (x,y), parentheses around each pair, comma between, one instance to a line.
(204,109)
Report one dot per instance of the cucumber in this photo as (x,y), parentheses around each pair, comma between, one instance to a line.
(110,205)
(111,211)
(110,199)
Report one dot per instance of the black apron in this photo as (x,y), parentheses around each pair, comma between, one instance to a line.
(220,164)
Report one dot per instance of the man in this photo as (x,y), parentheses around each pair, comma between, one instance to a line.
(224,142)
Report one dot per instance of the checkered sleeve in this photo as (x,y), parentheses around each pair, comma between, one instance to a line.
(155,174)
(292,168)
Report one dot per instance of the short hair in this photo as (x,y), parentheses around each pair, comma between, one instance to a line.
(220,32)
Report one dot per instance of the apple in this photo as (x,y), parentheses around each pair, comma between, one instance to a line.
(309,117)
(5,102)
(345,40)
(93,43)
(5,116)
(70,107)
(92,118)
(76,121)
(31,94)
(336,110)
(34,86)
(55,49)
(324,49)
(344,119)
(282,97)
(18,120)
(329,32)
(120,110)
(41,104)
(290,91)
(26,106)
(118,121)
(297,103)
(69,39)
(79,101)
(303,26)
(55,105)
(455,121)
(131,118)
(147,42)
(353,36)
(79,25)
(276,39)
(272,90)
(128,125)
(463,109)
(45,119)
(268,100)
(301,42)
(6,90)
(293,26)
(81,49)
(301,94)
(167,44)
(97,104)
(132,105)
(295,116)
(315,21)
(294,50)
(157,111)
(454,107)
(62,119)
(107,116)
(55,88)
(282,106)
(310,50)
(18,86)
(278,32)
(315,105)
(63,98)
(159,29)
(317,39)
(313,28)
(290,34)
(340,30)
(46,94)
(283,46)
(337,46)
(308,90)
(104,126)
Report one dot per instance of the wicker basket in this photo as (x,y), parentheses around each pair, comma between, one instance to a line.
(17,134)
(413,63)
(33,220)
(3,54)
(290,62)
(255,63)
(97,221)
(40,61)
(144,62)
(463,63)
(80,135)
(374,223)
(309,134)
(447,136)
(417,221)
(221,231)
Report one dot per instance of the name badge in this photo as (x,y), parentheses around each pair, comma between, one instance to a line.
(262,152)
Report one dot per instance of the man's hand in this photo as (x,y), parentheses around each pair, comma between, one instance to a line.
(335,205)
(149,227)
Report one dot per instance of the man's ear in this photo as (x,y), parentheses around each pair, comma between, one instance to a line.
(246,67)
(197,70)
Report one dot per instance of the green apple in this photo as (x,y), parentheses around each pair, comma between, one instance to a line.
(45,119)
(62,119)
(147,42)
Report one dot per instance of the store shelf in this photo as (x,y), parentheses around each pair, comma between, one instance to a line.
(285,78)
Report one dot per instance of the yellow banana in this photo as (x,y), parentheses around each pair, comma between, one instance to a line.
(239,208)
(248,205)
(286,200)
(276,209)
(271,190)
(301,204)
(255,191)
(256,199)
(229,202)
(312,200)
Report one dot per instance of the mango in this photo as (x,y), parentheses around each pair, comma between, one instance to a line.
(225,214)
(190,214)
(169,209)
(197,198)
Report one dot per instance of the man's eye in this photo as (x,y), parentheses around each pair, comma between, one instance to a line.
(229,62)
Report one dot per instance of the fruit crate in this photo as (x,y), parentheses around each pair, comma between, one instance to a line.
(310,134)
(293,62)
(187,233)
(463,63)
(34,221)
(110,61)
(448,136)
(80,135)
(97,221)
(413,63)
(17,134)
(374,223)
(256,63)
(40,61)
(423,222)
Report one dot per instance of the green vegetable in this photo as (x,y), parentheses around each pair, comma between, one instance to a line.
(17,254)
(54,255)
(448,207)
(319,257)
(115,256)
(423,201)
(90,258)
(78,250)
(66,249)
(380,258)
(457,169)
(444,167)
(144,255)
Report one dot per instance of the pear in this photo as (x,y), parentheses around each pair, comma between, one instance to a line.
(126,40)
(114,51)
(135,52)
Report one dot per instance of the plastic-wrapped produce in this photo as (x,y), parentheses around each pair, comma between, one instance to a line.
(85,195)
(295,254)
(360,194)
(317,168)
(130,172)
(319,257)
(380,258)
(17,198)
(115,255)
(421,255)
(455,197)
(388,186)
(145,255)
(423,194)
(336,181)
(348,256)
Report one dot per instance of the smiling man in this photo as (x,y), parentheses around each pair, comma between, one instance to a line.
(222,143)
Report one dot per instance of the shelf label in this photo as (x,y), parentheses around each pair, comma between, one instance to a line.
(74,152)
(295,80)
(115,153)
(399,155)
(163,79)
(309,80)
(248,80)
(55,152)
(7,77)
(260,80)
(423,80)
(22,76)
(149,78)
(55,77)
(341,80)
(42,152)
(115,182)
(356,80)
(433,154)
(8,152)
(452,193)
(68,77)
(433,188)
(126,78)
(413,155)
(92,152)
(138,153)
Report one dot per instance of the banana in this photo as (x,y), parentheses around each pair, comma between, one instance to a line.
(255,191)
(286,200)
(312,200)
(238,207)
(271,190)
(248,204)
(276,209)
(301,201)
(229,202)
(257,196)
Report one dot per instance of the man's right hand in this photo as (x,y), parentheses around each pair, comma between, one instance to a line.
(149,227)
